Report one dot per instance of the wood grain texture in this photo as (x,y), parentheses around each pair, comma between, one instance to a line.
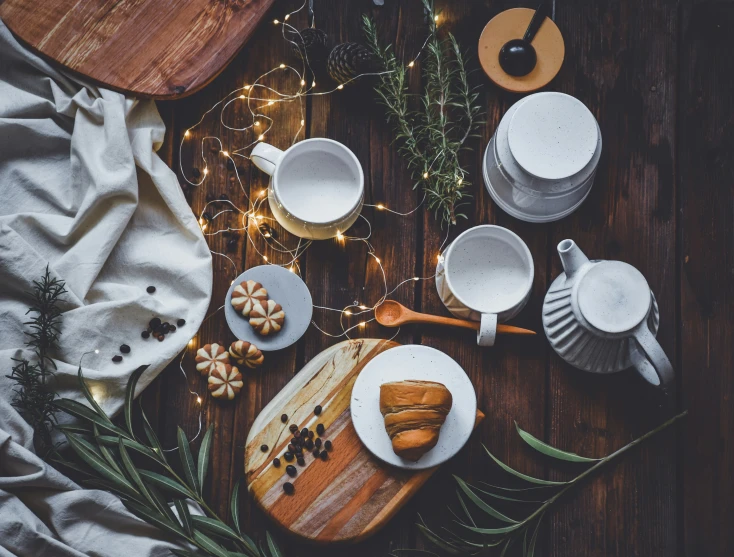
(149,48)
(658,77)
(348,497)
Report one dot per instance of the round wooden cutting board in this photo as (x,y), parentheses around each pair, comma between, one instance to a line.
(351,495)
(149,48)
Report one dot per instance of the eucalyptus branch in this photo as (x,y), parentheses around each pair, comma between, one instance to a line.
(33,396)
(431,138)
(483,540)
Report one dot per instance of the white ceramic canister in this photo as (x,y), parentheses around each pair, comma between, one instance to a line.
(539,165)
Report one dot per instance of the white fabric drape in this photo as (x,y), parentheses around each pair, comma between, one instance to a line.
(83,191)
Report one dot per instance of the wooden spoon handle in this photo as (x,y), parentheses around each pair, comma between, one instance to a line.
(463,323)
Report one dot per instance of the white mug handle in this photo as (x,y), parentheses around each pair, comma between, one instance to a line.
(487,332)
(266,157)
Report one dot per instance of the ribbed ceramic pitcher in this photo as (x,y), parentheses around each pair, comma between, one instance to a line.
(602,317)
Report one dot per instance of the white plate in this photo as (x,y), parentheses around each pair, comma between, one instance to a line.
(418,363)
(287,289)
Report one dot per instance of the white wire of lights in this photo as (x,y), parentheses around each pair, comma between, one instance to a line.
(260,97)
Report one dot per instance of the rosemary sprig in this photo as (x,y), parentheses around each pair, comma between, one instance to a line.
(103,457)
(432,138)
(507,532)
(33,396)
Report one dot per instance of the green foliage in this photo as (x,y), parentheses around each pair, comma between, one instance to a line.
(34,396)
(484,530)
(103,456)
(432,137)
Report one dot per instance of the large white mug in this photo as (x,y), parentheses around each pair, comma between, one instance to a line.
(317,186)
(485,275)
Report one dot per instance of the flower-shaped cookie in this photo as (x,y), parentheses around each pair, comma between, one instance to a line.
(208,356)
(246,295)
(225,381)
(267,317)
(246,353)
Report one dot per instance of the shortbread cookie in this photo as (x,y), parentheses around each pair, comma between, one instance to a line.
(225,381)
(267,317)
(246,353)
(208,355)
(246,295)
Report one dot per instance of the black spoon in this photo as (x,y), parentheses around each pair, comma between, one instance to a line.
(517,56)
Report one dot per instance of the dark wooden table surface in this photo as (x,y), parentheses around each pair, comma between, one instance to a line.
(658,76)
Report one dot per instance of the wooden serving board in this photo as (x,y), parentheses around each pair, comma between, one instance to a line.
(351,495)
(151,48)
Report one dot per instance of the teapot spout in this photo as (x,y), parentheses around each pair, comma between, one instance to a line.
(572,257)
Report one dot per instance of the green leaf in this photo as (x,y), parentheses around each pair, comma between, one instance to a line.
(78,410)
(531,547)
(214,526)
(465,508)
(184,515)
(205,455)
(99,465)
(436,540)
(493,531)
(90,398)
(106,453)
(153,518)
(132,473)
(234,507)
(134,445)
(508,543)
(166,483)
(481,503)
(130,396)
(250,545)
(162,503)
(187,461)
(71,465)
(552,452)
(520,474)
(152,437)
(272,546)
(73,428)
(209,544)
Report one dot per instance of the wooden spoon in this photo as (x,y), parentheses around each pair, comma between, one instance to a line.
(393,314)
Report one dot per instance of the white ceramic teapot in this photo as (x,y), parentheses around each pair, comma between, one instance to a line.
(600,316)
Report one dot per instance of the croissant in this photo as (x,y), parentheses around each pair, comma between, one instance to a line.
(414,412)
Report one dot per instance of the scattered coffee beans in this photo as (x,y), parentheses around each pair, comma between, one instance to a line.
(145,334)
(320,429)
(284,418)
(154,323)
(288,457)
(304,432)
(324,455)
(316,452)
(150,289)
(317,410)
(291,470)
(301,462)
(327,445)
(276,462)
(288,488)
(310,433)
(116,358)
(125,349)
(293,428)
(264,448)
(317,442)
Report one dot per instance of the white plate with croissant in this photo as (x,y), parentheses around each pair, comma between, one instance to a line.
(413,407)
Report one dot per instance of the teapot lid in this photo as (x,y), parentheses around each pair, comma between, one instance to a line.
(614,297)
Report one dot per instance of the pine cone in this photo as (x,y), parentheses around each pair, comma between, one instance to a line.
(314,44)
(348,60)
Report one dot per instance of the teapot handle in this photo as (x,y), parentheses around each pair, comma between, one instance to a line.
(656,369)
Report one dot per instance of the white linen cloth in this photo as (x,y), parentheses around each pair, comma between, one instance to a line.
(83,191)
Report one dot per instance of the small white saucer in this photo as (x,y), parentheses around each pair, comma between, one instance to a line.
(287,289)
(418,363)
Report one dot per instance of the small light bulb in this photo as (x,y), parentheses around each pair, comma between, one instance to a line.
(439,257)
(270,103)
(340,86)
(187,133)
(242,97)
(282,66)
(292,269)
(265,257)
(459,181)
(225,153)
(262,192)
(339,235)
(425,175)
(286,17)
(303,82)
(191,342)
(257,123)
(362,324)
(198,400)
(276,21)
(96,351)
(377,259)
(206,171)
(411,64)
(261,138)
(362,307)
(347,312)
(247,87)
(267,234)
(313,83)
(416,278)
(257,217)
(380,206)
(435,18)
(303,122)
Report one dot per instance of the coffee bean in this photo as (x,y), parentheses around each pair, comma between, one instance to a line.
(304,432)
(125,349)
(296,440)
(293,428)
(117,358)
(317,410)
(320,429)
(316,453)
(309,444)
(264,448)
(296,433)
(165,327)
(284,418)
(288,488)
(154,323)
(145,334)
(161,338)
(301,461)
(172,328)
(181,322)
(291,470)
(328,445)
(276,462)
(288,456)
(324,455)
(150,289)
(317,442)
(291,448)
(310,434)
(298,451)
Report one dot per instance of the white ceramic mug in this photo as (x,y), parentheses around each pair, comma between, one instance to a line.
(485,275)
(317,188)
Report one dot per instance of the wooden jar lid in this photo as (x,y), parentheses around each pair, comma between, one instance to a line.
(511,24)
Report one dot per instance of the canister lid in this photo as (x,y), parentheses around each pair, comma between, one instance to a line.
(552,135)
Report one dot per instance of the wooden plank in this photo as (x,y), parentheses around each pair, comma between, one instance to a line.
(144,47)
(623,67)
(705,178)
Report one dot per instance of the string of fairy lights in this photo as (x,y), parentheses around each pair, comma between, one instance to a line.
(258,99)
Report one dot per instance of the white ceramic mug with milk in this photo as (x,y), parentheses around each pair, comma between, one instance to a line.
(317,186)
(485,275)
